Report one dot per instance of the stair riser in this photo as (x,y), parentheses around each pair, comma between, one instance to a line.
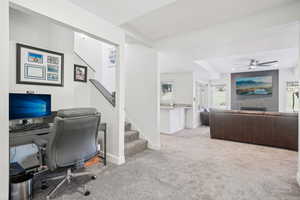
(139,147)
(131,137)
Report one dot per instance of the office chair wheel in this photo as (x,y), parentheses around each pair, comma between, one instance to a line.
(87,193)
(44,186)
(93,177)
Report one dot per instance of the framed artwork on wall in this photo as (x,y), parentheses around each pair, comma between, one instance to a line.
(112,57)
(166,91)
(80,73)
(37,66)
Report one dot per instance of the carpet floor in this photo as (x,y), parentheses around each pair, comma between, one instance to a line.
(191,166)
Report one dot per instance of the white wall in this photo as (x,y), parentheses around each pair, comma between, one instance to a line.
(64,12)
(285,75)
(4,84)
(182,87)
(142,92)
(108,72)
(42,33)
(71,15)
(88,49)
(95,53)
(184,93)
(224,79)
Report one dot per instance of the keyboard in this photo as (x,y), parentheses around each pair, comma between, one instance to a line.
(28,127)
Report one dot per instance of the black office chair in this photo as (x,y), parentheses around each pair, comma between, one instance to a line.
(74,141)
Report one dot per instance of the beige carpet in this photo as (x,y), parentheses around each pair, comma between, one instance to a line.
(191,166)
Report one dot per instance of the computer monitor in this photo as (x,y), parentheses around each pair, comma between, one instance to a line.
(26,106)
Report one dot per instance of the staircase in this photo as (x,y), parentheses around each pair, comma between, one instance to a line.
(133,144)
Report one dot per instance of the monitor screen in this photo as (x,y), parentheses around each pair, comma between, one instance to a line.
(24,106)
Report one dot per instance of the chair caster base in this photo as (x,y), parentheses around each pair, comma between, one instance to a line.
(94,177)
(87,193)
(44,186)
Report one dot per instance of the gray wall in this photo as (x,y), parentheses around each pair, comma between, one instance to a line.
(270,102)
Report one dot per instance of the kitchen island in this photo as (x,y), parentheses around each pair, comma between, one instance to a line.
(173,118)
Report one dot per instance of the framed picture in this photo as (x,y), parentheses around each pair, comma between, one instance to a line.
(39,66)
(80,73)
(166,91)
(112,57)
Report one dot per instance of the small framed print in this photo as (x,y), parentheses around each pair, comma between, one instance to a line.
(39,66)
(80,73)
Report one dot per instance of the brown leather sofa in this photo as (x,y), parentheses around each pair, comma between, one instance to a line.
(264,128)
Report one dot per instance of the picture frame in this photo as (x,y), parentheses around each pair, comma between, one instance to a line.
(80,73)
(36,66)
(166,90)
(112,57)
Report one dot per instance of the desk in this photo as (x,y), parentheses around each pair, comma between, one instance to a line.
(23,152)
(27,137)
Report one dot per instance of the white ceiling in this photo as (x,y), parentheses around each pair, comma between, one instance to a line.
(271,43)
(187,15)
(120,11)
(217,33)
(287,58)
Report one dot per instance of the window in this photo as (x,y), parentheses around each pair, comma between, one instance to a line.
(201,96)
(292,101)
(219,96)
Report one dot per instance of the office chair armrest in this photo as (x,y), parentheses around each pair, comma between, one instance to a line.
(41,143)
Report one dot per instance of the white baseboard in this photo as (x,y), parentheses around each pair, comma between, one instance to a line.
(196,125)
(118,160)
(153,146)
(298,178)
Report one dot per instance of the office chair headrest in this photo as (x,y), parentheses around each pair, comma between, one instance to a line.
(76,112)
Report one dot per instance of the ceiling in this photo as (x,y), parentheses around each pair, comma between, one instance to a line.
(217,33)
(279,43)
(184,16)
(119,12)
(159,19)
(287,58)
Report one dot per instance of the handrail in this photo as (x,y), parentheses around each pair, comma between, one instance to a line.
(83,60)
(111,98)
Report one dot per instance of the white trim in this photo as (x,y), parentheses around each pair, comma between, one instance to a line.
(298,178)
(4,88)
(118,160)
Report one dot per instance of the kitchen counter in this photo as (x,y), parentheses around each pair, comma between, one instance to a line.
(173,117)
(166,106)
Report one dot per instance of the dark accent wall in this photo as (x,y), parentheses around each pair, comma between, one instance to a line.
(270,102)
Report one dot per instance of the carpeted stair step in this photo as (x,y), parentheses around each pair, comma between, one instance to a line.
(130,136)
(127,126)
(135,147)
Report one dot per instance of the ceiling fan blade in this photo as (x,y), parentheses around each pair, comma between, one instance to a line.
(242,67)
(266,63)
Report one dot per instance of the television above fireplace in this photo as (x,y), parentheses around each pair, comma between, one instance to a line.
(256,85)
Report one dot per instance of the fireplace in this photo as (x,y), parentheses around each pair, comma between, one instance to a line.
(254,108)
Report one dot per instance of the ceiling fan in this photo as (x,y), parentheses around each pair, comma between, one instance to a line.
(256,63)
